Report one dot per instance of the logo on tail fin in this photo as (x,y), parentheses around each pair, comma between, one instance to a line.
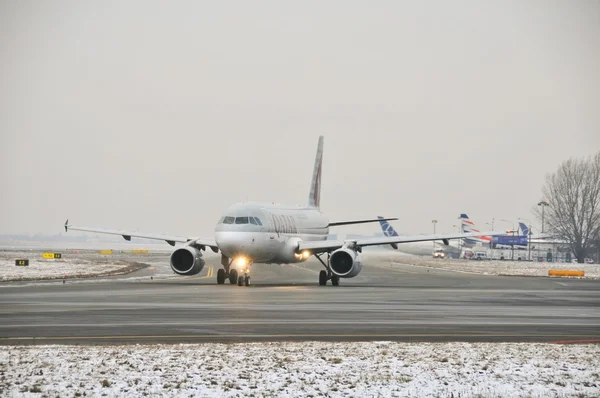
(468,226)
(314,197)
(387,229)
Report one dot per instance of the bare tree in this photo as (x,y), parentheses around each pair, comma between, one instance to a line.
(573,194)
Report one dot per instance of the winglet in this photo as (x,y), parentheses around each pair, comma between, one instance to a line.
(66,225)
(314,197)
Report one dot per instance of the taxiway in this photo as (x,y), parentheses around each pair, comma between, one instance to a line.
(385,302)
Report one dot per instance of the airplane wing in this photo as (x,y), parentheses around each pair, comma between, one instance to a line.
(330,245)
(337,223)
(127,235)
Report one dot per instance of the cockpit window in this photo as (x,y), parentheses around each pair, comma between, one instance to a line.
(228,220)
(255,221)
(241,220)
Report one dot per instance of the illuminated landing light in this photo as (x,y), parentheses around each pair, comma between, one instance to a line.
(241,262)
(303,256)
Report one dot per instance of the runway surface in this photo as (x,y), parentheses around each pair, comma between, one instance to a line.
(385,302)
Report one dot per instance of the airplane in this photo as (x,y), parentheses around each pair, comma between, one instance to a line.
(494,241)
(418,248)
(251,232)
(468,226)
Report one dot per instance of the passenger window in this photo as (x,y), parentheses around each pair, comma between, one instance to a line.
(241,220)
(228,220)
(253,221)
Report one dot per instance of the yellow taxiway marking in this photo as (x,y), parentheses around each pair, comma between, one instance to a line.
(309,335)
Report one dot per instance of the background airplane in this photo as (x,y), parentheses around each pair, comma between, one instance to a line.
(468,226)
(417,248)
(276,234)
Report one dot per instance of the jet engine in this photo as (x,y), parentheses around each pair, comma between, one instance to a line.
(187,261)
(345,263)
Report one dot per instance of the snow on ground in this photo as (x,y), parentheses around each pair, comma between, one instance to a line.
(495,267)
(70,266)
(303,369)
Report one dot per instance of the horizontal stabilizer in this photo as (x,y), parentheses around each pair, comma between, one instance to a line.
(338,223)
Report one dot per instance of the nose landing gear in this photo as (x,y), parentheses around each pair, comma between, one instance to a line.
(233,275)
(244,280)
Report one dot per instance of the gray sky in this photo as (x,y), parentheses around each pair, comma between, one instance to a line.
(156,115)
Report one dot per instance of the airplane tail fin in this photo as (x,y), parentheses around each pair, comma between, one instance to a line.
(388,230)
(468,226)
(465,223)
(314,197)
(524,229)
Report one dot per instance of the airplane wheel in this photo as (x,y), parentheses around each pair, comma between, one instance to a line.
(241,281)
(335,280)
(322,278)
(247,280)
(233,276)
(221,276)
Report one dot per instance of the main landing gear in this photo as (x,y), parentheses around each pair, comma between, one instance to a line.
(326,274)
(232,275)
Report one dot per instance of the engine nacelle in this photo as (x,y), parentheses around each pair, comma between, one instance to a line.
(187,261)
(345,263)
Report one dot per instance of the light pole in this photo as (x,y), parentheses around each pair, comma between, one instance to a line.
(434,222)
(492,224)
(544,204)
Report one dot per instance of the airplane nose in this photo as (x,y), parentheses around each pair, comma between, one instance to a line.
(232,243)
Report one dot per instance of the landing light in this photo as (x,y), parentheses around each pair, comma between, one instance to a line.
(305,254)
(241,261)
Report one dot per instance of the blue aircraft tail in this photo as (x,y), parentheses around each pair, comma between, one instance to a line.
(388,230)
(524,229)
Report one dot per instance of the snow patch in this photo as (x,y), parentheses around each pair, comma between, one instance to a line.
(497,267)
(79,266)
(303,369)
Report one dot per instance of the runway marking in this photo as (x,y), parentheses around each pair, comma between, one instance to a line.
(590,337)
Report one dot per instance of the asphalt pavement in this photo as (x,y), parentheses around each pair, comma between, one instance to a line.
(385,302)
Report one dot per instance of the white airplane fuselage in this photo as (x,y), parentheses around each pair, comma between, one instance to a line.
(274,237)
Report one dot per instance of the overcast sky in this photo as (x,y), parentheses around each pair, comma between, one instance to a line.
(157,115)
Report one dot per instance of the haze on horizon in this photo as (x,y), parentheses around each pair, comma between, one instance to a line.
(157,115)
